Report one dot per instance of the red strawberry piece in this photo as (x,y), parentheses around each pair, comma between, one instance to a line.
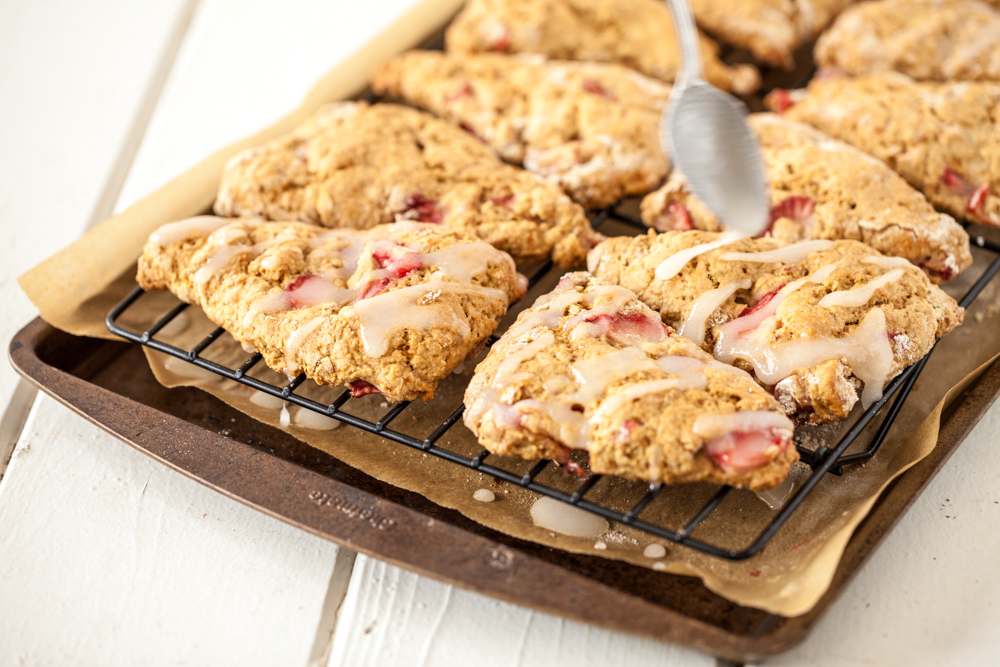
(400,261)
(679,216)
(464,90)
(595,87)
(795,208)
(300,281)
(780,100)
(426,209)
(955,182)
(761,303)
(361,388)
(373,288)
(569,467)
(743,451)
(977,200)
(629,427)
(302,290)
(636,325)
(502,43)
(503,201)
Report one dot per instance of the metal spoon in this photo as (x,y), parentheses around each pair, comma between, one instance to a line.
(705,133)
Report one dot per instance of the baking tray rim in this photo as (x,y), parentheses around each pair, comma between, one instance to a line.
(384,529)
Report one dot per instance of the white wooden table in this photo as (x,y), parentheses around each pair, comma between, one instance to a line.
(108,558)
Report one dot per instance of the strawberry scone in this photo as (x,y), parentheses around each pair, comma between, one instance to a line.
(589,367)
(590,128)
(813,321)
(941,137)
(635,33)
(928,40)
(392,310)
(821,188)
(770,29)
(355,165)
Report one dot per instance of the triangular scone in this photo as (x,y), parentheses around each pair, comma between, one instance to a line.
(355,165)
(635,33)
(770,29)
(941,137)
(591,128)
(813,320)
(393,309)
(822,188)
(590,367)
(928,40)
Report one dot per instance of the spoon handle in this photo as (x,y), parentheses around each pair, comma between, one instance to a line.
(688,34)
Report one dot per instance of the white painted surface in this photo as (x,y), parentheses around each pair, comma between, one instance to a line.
(931,594)
(243,66)
(394,618)
(68,99)
(107,558)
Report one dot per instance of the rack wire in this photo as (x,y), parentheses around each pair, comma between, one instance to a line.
(823,459)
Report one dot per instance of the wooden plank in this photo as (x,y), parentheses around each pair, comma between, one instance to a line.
(70,99)
(87,519)
(244,66)
(109,558)
(928,595)
(394,617)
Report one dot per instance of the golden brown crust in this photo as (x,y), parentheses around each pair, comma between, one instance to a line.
(590,367)
(913,311)
(361,309)
(355,165)
(821,188)
(940,137)
(770,29)
(591,128)
(635,33)
(928,40)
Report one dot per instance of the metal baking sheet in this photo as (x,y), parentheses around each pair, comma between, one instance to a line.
(110,384)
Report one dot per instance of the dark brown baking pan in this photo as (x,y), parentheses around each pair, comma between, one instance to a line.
(110,384)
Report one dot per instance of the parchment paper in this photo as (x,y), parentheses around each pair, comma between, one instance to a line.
(75,289)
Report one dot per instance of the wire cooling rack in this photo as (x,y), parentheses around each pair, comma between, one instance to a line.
(822,459)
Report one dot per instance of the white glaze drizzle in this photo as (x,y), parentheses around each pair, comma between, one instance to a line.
(866,349)
(464,261)
(182,230)
(712,426)
(595,374)
(888,262)
(315,291)
(637,391)
(790,254)
(217,261)
(859,296)
(414,307)
(295,339)
(704,306)
(673,265)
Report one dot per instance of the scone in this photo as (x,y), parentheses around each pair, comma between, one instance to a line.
(929,40)
(590,128)
(355,165)
(392,310)
(770,29)
(635,33)
(589,367)
(813,321)
(941,137)
(821,188)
